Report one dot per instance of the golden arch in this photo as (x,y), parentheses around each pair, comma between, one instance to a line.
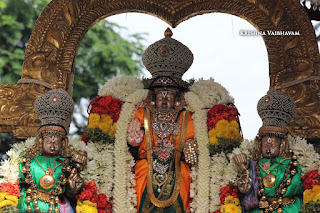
(50,55)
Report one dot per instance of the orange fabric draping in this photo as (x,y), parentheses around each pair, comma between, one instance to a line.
(141,167)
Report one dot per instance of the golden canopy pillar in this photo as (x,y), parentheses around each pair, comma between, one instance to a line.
(51,52)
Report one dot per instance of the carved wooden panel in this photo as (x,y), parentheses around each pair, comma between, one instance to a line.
(52,49)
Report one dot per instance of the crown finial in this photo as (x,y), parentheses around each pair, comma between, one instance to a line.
(168,33)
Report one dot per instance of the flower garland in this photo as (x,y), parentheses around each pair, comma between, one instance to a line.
(211,93)
(224,172)
(121,86)
(120,177)
(308,158)
(224,129)
(201,200)
(90,201)
(229,199)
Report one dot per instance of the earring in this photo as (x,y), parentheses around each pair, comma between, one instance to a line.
(178,101)
(153,99)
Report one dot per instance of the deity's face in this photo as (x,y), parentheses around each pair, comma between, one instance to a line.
(165,99)
(52,143)
(270,146)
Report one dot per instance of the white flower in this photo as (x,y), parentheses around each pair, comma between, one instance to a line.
(308,158)
(121,86)
(211,92)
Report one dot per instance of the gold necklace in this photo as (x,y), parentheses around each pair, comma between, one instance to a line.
(47,181)
(155,201)
(269,179)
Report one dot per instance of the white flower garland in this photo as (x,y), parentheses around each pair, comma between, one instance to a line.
(9,168)
(224,171)
(121,86)
(308,158)
(211,93)
(126,115)
(98,168)
(201,200)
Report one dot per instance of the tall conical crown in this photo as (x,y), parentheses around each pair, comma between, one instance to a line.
(167,58)
(276,109)
(54,107)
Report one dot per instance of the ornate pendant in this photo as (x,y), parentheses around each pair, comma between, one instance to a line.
(163,126)
(269,180)
(47,181)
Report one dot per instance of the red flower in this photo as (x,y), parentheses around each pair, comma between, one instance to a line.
(106,105)
(90,192)
(219,112)
(84,138)
(310,179)
(103,203)
(228,191)
(11,189)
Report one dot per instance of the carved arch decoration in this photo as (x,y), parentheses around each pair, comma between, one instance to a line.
(56,37)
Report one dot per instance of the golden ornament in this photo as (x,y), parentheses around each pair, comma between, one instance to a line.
(269,180)
(47,181)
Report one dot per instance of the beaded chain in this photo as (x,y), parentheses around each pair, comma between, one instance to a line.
(277,204)
(33,193)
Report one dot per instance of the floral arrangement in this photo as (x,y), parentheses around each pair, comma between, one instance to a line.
(224,130)
(9,195)
(103,117)
(311,194)
(90,201)
(229,200)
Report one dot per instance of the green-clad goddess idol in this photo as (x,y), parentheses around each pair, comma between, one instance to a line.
(50,170)
(271,179)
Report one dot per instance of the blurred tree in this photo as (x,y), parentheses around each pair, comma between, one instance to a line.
(103,53)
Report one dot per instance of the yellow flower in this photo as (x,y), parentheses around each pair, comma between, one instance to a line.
(94,120)
(113,128)
(222,125)
(307,196)
(234,124)
(104,127)
(231,199)
(232,132)
(316,198)
(106,119)
(93,125)
(222,134)
(230,208)
(2,195)
(6,203)
(86,207)
(212,132)
(213,140)
(12,198)
(316,189)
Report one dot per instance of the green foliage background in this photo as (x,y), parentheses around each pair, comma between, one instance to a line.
(103,54)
